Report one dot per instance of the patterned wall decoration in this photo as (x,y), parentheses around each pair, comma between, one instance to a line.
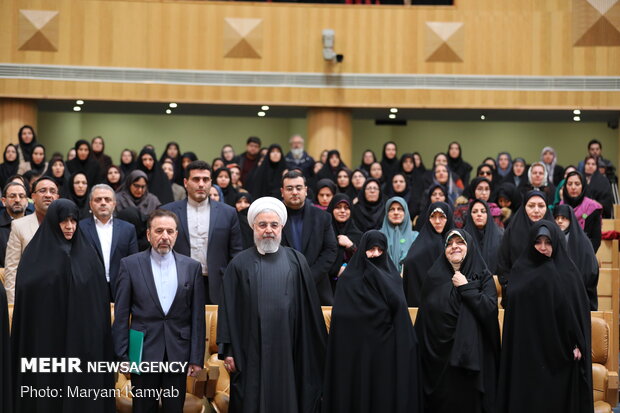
(38,30)
(445,41)
(243,37)
(596,22)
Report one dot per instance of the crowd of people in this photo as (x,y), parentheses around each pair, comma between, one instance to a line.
(273,235)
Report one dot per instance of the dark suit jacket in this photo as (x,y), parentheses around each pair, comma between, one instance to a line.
(223,244)
(319,247)
(124,243)
(180,334)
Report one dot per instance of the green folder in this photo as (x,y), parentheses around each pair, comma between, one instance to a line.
(136,345)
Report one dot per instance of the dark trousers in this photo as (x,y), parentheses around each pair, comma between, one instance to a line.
(159,381)
(208,301)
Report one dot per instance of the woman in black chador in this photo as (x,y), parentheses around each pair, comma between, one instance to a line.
(372,352)
(425,250)
(580,250)
(458,330)
(6,390)
(62,309)
(546,363)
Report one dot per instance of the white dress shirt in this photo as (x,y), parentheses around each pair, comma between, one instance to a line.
(165,276)
(198,216)
(104,232)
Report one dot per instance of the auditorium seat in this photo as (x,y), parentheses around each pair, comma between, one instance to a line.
(218,386)
(604,382)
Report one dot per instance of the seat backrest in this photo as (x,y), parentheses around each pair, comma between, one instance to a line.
(211,329)
(600,340)
(327,315)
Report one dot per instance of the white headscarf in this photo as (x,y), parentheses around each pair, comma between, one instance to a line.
(267,203)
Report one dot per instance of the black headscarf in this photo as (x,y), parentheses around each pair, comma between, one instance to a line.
(89,166)
(26,148)
(268,176)
(581,252)
(546,317)
(127,168)
(247,234)
(327,171)
(61,182)
(422,168)
(458,165)
(368,215)
(229,192)
(37,168)
(509,191)
(488,239)
(515,237)
(349,190)
(370,317)
(80,201)
(324,183)
(423,253)
(366,167)
(389,166)
(159,185)
(520,180)
(459,333)
(574,202)
(115,186)
(62,309)
(426,201)
(177,162)
(347,228)
(8,168)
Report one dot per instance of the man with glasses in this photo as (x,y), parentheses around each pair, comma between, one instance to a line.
(209,231)
(270,326)
(44,192)
(15,201)
(310,232)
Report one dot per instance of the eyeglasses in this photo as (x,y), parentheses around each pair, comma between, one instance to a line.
(263,225)
(372,189)
(43,191)
(140,187)
(488,173)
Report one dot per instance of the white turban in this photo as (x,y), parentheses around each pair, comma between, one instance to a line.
(267,203)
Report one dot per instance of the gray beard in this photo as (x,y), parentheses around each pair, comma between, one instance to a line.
(267,245)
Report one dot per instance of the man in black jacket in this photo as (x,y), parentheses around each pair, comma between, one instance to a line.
(298,158)
(309,231)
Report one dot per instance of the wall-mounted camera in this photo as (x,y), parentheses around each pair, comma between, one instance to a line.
(328,47)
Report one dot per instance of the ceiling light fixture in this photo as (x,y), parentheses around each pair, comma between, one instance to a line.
(173,105)
(79,102)
(265,107)
(261,114)
(77,108)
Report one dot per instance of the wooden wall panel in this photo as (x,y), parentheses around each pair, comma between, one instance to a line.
(330,128)
(509,37)
(14,113)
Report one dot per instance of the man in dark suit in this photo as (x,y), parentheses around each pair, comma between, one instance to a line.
(161,292)
(309,231)
(112,238)
(209,231)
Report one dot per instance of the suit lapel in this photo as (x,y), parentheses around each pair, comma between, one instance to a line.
(91,230)
(306,227)
(115,235)
(287,235)
(180,281)
(147,274)
(182,214)
(213,215)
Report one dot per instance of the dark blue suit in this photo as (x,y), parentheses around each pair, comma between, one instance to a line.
(178,336)
(224,242)
(124,243)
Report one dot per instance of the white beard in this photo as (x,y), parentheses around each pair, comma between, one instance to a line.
(267,245)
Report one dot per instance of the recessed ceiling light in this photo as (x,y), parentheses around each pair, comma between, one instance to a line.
(576,118)
(392,116)
(168,111)
(394,110)
(77,108)
(264,107)
(482,117)
(576,112)
(79,102)
(173,105)
(261,114)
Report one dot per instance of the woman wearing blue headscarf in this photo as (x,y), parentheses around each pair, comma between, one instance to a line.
(397,228)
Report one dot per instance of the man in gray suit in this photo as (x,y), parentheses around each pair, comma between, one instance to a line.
(161,291)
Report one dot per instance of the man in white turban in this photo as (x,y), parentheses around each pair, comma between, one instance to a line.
(271,332)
